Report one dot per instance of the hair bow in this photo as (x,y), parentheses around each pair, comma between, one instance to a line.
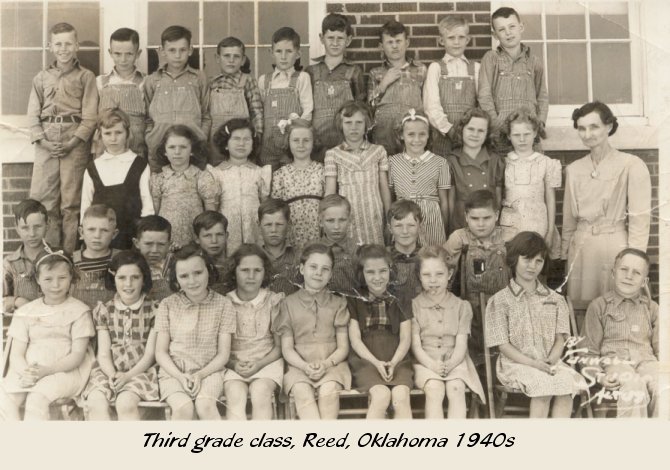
(50,252)
(284,123)
(412,116)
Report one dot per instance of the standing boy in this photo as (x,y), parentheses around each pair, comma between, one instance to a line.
(451,84)
(153,242)
(273,219)
(511,76)
(122,88)
(211,234)
(395,87)
(62,109)
(175,93)
(335,81)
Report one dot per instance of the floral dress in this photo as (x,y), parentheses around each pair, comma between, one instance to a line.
(243,187)
(129,327)
(302,189)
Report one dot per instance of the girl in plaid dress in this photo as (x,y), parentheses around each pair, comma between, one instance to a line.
(125,373)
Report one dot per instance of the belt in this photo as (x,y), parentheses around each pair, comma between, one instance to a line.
(378,327)
(60,119)
(304,196)
(597,229)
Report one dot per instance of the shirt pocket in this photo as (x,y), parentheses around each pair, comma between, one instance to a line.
(73,89)
(616,328)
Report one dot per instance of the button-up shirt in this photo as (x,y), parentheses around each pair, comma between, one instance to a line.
(416,70)
(321,71)
(15,265)
(282,79)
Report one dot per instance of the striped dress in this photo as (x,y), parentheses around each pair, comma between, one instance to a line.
(357,173)
(419,179)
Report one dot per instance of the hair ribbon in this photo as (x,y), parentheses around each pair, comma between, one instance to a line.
(412,116)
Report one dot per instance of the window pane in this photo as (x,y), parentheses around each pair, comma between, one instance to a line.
(272,16)
(164,14)
(566,72)
(609,20)
(18,70)
(222,19)
(84,16)
(212,67)
(531,15)
(607,60)
(155,60)
(565,21)
(27,15)
(90,60)
(265,59)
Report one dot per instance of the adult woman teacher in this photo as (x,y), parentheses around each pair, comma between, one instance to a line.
(606,206)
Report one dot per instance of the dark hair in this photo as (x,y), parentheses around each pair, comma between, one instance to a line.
(634,252)
(528,245)
(316,248)
(392,28)
(372,251)
(402,208)
(336,22)
(153,223)
(175,33)
(50,259)
(301,124)
(272,206)
(232,41)
(199,151)
(124,35)
(350,108)
(208,219)
(27,207)
(225,131)
(111,117)
(123,258)
(604,111)
(527,115)
(249,249)
(288,34)
(465,120)
(505,12)
(59,28)
(482,198)
(334,200)
(189,251)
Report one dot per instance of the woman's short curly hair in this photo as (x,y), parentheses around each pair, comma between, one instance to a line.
(465,119)
(604,111)
(523,114)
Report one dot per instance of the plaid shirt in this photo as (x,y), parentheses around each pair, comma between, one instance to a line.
(320,71)
(417,72)
(251,93)
(17,268)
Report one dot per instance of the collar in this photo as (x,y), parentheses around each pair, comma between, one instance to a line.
(386,297)
(424,157)
(426,302)
(398,254)
(448,58)
(226,164)
(347,244)
(409,62)
(464,160)
(517,290)
(322,60)
(163,69)
(127,156)
(136,74)
(525,51)
(496,236)
(119,305)
(308,299)
(234,76)
(255,302)
(287,249)
(514,157)
(289,73)
(189,172)
(364,146)
(75,65)
(617,299)
(17,254)
(186,301)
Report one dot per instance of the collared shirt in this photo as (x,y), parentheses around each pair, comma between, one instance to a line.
(494,61)
(371,311)
(342,279)
(63,93)
(486,171)
(252,94)
(321,71)
(416,70)
(180,79)
(113,170)
(285,266)
(113,78)
(282,79)
(456,67)
(312,317)
(622,328)
(17,265)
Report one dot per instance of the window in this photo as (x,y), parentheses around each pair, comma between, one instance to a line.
(590,51)
(253,22)
(24,34)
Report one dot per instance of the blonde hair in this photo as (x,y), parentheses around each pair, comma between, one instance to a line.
(450,22)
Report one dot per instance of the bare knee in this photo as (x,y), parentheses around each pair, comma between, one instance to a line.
(455,388)
(236,393)
(380,395)
(261,391)
(434,390)
(206,408)
(182,407)
(126,403)
(400,394)
(97,404)
(329,391)
(303,392)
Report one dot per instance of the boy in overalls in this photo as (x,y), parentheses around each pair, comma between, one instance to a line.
(175,93)
(395,87)
(335,81)
(484,269)
(451,84)
(122,88)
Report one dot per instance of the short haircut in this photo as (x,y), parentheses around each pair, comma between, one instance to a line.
(288,34)
(634,252)
(336,22)
(175,33)
(528,245)
(27,207)
(189,251)
(59,28)
(225,131)
(232,41)
(208,219)
(153,223)
(393,28)
(316,248)
(350,108)
(505,12)
(100,211)
(111,117)
(199,150)
(372,251)
(301,124)
(604,111)
(433,252)
(465,120)
(402,208)
(334,200)
(482,198)
(272,206)
(450,22)
(249,249)
(123,258)
(125,35)
(521,115)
